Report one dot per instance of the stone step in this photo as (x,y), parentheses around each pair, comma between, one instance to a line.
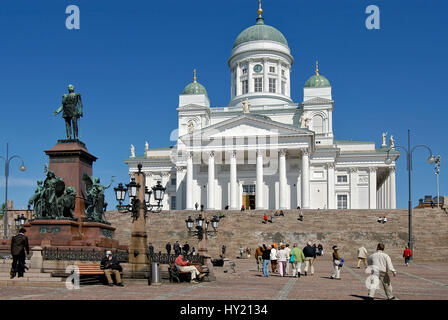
(14,283)
(8,268)
(31,279)
(29,275)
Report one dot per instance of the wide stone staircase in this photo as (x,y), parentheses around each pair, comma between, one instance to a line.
(349,229)
(32,277)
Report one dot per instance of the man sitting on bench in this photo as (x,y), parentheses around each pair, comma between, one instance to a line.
(186,266)
(111,265)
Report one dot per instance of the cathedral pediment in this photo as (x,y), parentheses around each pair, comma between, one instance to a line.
(245,126)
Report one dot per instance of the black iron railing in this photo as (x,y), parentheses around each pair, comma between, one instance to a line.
(165,258)
(98,255)
(82,254)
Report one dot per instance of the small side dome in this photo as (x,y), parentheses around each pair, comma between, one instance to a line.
(194,87)
(318,80)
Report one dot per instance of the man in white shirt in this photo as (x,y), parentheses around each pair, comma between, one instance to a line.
(362,256)
(380,264)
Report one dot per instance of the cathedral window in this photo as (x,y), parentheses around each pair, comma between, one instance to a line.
(258,84)
(318,124)
(173,203)
(342,201)
(283,87)
(244,70)
(272,69)
(272,87)
(342,179)
(245,86)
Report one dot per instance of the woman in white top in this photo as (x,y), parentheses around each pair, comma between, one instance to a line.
(273,258)
(283,257)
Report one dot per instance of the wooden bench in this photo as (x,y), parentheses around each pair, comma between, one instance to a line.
(176,274)
(92,270)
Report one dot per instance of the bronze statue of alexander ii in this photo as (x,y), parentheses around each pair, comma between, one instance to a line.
(71,110)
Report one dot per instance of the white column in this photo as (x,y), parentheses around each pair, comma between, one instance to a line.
(330,180)
(238,80)
(211,181)
(189,191)
(259,183)
(180,175)
(148,180)
(279,78)
(282,179)
(393,199)
(387,190)
(250,87)
(166,202)
(233,182)
(372,188)
(305,179)
(299,188)
(265,76)
(353,188)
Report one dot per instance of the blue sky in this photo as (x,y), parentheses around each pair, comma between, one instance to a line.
(131,59)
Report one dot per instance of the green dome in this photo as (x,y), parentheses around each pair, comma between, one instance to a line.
(317,81)
(194,88)
(260,31)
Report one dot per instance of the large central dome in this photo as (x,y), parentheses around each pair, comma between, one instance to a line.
(260,31)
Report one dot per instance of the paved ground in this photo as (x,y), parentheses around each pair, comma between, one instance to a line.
(419,281)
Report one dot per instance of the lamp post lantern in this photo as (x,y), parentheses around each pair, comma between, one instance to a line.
(19,221)
(430,160)
(202,230)
(22,168)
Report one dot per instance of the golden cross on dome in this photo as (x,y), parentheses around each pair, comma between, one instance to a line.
(317,67)
(260,11)
(194,75)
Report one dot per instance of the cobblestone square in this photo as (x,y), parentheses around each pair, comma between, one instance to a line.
(419,281)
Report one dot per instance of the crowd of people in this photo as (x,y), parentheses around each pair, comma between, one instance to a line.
(178,249)
(297,262)
(285,260)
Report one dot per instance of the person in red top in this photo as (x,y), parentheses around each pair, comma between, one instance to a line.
(265,218)
(186,266)
(407,253)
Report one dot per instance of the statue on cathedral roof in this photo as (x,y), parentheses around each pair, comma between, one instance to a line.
(383,144)
(304,121)
(246,105)
(392,142)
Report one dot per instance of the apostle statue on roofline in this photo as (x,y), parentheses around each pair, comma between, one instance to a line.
(383,144)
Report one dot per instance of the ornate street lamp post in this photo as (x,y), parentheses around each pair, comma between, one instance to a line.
(202,231)
(430,160)
(139,206)
(22,168)
(437,168)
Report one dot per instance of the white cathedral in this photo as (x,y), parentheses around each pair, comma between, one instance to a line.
(262,150)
